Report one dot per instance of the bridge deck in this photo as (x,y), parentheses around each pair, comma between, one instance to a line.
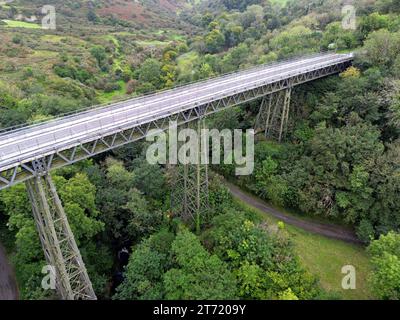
(26,144)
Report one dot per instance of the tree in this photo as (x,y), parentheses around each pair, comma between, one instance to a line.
(142,221)
(150,72)
(204,72)
(336,166)
(261,259)
(382,48)
(12,110)
(114,186)
(269,185)
(99,53)
(385,259)
(385,180)
(197,274)
(233,34)
(295,40)
(145,270)
(77,195)
(150,179)
(388,6)
(251,281)
(394,113)
(239,4)
(235,58)
(373,22)
(351,72)
(92,16)
(214,41)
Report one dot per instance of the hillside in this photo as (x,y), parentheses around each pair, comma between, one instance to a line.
(78,14)
(338,162)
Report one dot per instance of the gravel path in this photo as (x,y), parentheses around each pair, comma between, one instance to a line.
(323,229)
(8,284)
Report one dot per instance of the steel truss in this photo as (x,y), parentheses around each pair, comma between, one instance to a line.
(273,116)
(121,136)
(189,183)
(57,239)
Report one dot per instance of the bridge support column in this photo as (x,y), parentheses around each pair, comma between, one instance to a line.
(189,182)
(57,239)
(273,117)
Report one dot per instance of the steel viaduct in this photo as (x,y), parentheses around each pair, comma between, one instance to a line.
(28,153)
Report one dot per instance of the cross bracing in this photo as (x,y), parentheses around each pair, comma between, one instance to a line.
(70,139)
(30,153)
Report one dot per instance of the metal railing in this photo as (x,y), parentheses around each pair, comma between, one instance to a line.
(145,117)
(141,98)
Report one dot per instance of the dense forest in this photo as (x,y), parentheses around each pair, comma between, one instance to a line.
(340,160)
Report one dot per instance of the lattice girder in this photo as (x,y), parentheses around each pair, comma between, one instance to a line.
(57,239)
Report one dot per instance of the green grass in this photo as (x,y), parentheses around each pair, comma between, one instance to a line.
(169,34)
(281,2)
(21,24)
(155,43)
(186,62)
(44,54)
(52,38)
(325,257)
(105,97)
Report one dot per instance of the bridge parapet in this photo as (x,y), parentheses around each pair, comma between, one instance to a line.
(73,138)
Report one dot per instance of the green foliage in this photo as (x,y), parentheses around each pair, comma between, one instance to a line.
(365,231)
(99,53)
(334,164)
(385,258)
(234,58)
(92,16)
(77,195)
(388,5)
(150,73)
(239,4)
(382,48)
(142,220)
(113,193)
(261,259)
(214,41)
(373,22)
(219,195)
(342,39)
(197,274)
(150,179)
(17,39)
(146,268)
(296,40)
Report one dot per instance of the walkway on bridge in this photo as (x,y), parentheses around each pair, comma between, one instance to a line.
(188,102)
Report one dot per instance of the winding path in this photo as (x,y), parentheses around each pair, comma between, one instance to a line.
(323,229)
(8,285)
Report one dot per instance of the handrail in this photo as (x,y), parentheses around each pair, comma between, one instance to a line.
(122,123)
(142,97)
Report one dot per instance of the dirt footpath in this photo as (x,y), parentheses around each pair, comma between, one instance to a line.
(8,284)
(327,230)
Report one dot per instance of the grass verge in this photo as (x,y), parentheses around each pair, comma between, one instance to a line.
(21,24)
(325,257)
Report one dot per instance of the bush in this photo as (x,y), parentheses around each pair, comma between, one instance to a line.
(17,39)
(365,231)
